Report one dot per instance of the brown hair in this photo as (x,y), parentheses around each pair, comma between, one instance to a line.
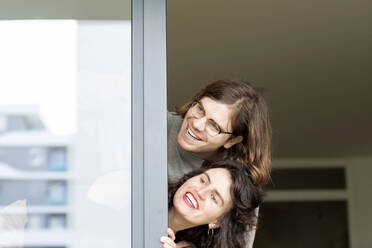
(251,121)
(235,223)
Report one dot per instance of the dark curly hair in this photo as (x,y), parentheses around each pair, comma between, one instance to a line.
(234,224)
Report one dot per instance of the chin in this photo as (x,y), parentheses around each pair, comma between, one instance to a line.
(181,208)
(184,145)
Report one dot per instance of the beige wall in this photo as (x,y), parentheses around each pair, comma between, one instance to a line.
(313,57)
(360,202)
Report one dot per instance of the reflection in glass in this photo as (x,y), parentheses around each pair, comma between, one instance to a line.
(65,133)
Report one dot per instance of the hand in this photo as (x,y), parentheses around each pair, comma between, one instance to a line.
(168,242)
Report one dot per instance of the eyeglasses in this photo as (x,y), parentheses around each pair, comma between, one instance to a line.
(212,128)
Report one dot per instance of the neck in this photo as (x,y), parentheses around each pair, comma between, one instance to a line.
(204,155)
(176,222)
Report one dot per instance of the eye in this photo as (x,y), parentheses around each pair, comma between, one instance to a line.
(202,180)
(214,126)
(214,198)
(199,108)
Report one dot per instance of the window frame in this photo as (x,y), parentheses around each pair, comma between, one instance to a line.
(149,196)
(149,123)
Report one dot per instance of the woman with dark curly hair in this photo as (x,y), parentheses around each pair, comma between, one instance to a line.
(208,213)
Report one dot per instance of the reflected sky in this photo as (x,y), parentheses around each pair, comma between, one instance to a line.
(38,67)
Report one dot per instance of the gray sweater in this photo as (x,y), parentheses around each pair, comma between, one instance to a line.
(181,161)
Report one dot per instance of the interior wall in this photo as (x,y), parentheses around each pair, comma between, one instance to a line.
(360,203)
(312,57)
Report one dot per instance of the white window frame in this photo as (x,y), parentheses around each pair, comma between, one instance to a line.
(149,123)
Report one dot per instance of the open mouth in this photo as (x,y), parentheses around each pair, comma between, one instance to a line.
(192,134)
(190,200)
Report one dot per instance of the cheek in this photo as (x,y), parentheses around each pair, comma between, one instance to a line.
(212,212)
(179,205)
(186,186)
(183,126)
(187,119)
(178,195)
(217,141)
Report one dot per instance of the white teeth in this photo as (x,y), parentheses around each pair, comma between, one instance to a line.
(192,199)
(192,134)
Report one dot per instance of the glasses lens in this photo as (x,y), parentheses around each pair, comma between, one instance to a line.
(197,110)
(212,128)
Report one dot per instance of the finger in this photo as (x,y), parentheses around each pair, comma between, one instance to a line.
(171,234)
(167,241)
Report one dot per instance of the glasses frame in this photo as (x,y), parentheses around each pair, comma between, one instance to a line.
(194,103)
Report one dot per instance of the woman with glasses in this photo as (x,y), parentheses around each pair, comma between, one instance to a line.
(224,120)
(207,213)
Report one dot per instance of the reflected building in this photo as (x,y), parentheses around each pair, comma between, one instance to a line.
(34,165)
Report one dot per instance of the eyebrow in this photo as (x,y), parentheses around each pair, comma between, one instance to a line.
(218,193)
(210,118)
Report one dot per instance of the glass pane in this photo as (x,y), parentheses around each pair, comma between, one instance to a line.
(308,178)
(65,128)
(303,224)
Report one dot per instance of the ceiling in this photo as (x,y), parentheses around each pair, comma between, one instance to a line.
(314,59)
(66,9)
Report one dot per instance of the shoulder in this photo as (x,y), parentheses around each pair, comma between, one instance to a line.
(174,122)
(173,117)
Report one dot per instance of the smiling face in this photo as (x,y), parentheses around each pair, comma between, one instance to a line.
(193,136)
(204,198)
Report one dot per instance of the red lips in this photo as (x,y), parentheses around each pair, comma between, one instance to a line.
(188,201)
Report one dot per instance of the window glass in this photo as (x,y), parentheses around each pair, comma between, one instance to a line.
(65,128)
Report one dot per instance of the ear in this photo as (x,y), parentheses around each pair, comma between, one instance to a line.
(233,141)
(214,225)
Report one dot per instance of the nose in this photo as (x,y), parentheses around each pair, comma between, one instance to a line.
(199,124)
(203,192)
